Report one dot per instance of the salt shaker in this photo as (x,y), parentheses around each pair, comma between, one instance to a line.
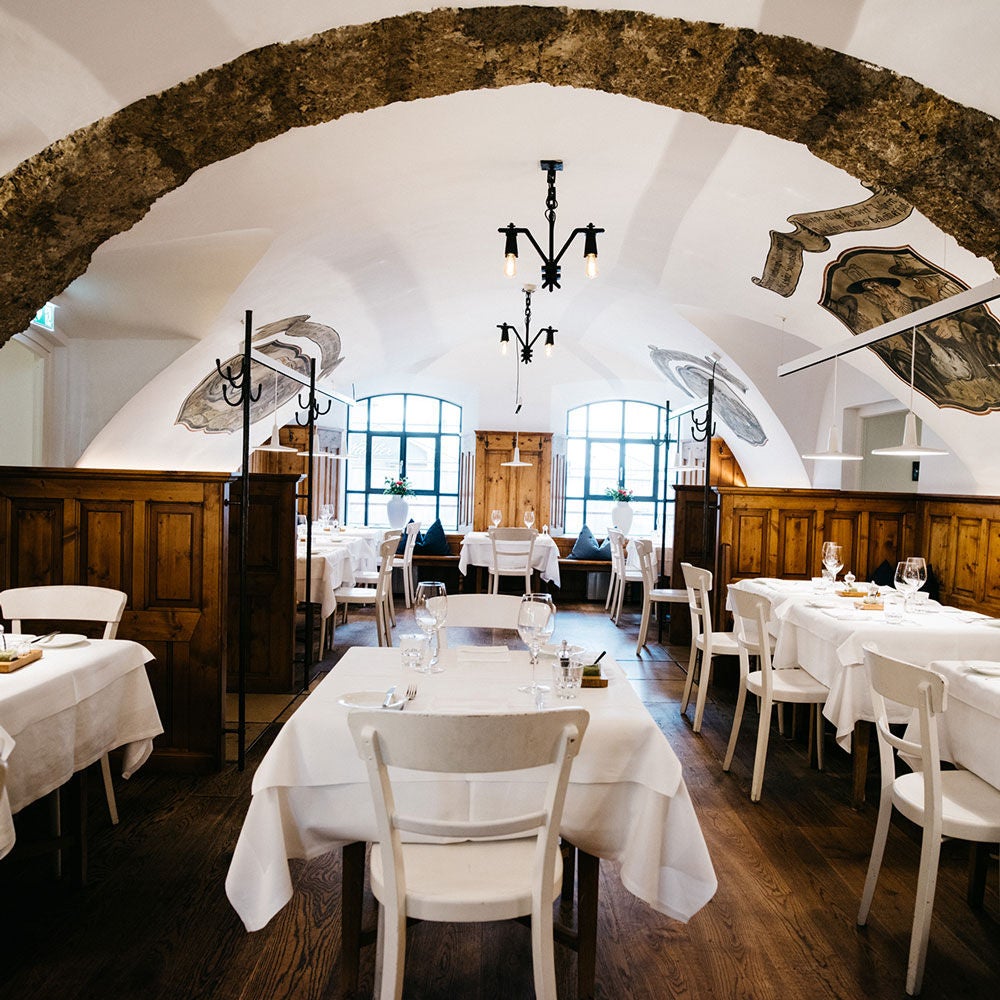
(849,579)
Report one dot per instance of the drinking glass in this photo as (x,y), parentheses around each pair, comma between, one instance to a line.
(412,650)
(496,516)
(916,572)
(567,675)
(326,515)
(905,581)
(529,518)
(536,621)
(430,608)
(833,559)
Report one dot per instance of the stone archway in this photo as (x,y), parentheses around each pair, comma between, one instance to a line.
(61,204)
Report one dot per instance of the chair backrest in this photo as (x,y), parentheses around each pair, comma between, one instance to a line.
(481,611)
(918,688)
(387,552)
(512,549)
(471,744)
(64,603)
(412,534)
(698,582)
(644,550)
(750,616)
(617,540)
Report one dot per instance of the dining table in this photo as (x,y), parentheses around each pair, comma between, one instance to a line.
(826,635)
(626,801)
(477,550)
(64,711)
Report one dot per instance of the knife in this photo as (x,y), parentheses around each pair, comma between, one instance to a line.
(44,638)
(389,695)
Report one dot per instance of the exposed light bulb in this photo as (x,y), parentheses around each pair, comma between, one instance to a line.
(548,350)
(504,344)
(510,265)
(591,265)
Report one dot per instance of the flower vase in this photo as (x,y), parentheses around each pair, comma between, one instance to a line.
(621,516)
(396,508)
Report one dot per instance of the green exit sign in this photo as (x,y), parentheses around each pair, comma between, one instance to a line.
(46,317)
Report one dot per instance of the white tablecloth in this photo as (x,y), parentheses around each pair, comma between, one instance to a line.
(627,799)
(477,550)
(363,544)
(332,567)
(828,642)
(969,729)
(66,710)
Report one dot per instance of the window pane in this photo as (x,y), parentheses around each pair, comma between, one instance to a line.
(639,468)
(422,414)
(641,420)
(576,466)
(603,467)
(357,416)
(599,516)
(386,413)
(421,462)
(385,461)
(356,461)
(451,418)
(606,419)
(450,448)
(355,509)
(449,513)
(574,516)
(576,422)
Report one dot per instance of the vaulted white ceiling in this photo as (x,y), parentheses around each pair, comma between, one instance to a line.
(383,225)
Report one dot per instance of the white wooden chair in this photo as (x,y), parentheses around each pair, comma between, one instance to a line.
(955,804)
(513,549)
(481,611)
(377,596)
(651,594)
(70,603)
(492,869)
(405,563)
(621,575)
(705,641)
(789,685)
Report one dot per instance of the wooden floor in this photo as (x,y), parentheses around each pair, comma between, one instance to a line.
(154,922)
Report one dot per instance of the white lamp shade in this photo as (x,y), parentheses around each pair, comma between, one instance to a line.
(517,463)
(833,452)
(910,448)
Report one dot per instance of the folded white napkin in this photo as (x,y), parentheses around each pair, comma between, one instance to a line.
(851,614)
(484,654)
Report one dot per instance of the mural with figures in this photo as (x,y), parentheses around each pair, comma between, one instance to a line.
(956,357)
(691,374)
(205,409)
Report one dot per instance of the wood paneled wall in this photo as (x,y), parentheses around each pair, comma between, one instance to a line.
(512,490)
(160,537)
(780,533)
(326,471)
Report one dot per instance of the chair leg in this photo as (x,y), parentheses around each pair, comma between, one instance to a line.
(542,957)
(878,850)
(818,709)
(741,699)
(611,591)
(643,625)
(703,677)
(109,789)
(620,600)
(689,681)
(930,853)
(391,942)
(392,603)
(760,756)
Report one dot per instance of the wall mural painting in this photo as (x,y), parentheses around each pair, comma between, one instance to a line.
(869,286)
(205,410)
(692,374)
(784,259)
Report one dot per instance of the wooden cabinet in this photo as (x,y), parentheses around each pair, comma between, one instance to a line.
(163,539)
(512,490)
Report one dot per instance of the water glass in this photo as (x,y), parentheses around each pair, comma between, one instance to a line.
(496,516)
(529,518)
(536,621)
(413,649)
(430,609)
(893,607)
(567,676)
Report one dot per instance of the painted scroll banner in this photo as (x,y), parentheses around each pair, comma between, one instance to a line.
(783,266)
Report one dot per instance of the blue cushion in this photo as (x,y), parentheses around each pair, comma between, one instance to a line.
(586,547)
(401,548)
(433,542)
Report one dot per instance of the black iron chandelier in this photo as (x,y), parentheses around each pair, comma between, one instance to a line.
(551,267)
(527,342)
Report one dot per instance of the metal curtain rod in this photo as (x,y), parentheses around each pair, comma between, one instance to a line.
(276,366)
(928,314)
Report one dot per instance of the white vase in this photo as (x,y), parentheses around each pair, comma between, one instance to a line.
(621,516)
(396,508)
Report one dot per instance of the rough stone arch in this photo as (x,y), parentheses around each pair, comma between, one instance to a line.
(58,206)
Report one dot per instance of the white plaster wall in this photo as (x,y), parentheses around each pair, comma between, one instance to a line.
(21,383)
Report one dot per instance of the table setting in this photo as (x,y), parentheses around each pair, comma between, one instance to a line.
(477,550)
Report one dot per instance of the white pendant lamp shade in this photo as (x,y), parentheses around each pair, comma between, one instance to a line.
(911,447)
(516,463)
(833,452)
(275,444)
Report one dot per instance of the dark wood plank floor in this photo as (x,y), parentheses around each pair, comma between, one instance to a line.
(154,922)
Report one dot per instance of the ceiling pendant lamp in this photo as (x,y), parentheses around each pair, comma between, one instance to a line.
(516,463)
(911,447)
(833,452)
(275,444)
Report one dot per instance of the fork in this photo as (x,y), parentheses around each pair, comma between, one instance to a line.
(411,692)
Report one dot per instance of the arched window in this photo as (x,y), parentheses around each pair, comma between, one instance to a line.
(404,434)
(615,443)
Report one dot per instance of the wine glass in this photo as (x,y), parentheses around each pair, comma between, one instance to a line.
(326,515)
(903,582)
(833,559)
(430,609)
(496,516)
(536,621)
(916,571)
(529,518)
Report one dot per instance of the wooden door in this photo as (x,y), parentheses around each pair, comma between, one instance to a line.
(512,490)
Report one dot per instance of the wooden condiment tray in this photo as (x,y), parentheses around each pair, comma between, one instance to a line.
(9,666)
(594,682)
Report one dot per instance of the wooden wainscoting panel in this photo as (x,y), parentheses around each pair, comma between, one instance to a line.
(970,549)
(796,531)
(886,539)
(512,490)
(991,582)
(751,528)
(846,529)
(938,547)
(174,559)
(106,544)
(36,542)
